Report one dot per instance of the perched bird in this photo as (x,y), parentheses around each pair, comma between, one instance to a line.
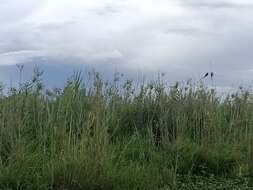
(212,74)
(205,75)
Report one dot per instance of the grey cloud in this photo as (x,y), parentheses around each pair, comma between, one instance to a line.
(115,35)
(52,26)
(15,10)
(187,31)
(108,9)
(16,38)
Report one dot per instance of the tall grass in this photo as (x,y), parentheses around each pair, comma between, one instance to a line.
(119,135)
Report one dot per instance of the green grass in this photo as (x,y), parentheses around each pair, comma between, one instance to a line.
(121,135)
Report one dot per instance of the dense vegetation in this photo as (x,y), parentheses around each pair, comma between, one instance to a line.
(121,135)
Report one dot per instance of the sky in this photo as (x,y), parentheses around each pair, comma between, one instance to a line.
(182,38)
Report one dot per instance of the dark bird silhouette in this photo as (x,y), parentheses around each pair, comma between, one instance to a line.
(212,74)
(205,75)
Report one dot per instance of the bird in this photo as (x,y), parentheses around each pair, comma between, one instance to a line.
(205,75)
(212,75)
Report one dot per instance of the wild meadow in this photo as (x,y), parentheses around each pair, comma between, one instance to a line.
(121,135)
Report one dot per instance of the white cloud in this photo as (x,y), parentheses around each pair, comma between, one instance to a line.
(14,57)
(176,35)
(16,10)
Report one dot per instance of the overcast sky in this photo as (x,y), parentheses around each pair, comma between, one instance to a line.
(183,38)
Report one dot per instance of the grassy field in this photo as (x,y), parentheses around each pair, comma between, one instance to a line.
(119,135)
